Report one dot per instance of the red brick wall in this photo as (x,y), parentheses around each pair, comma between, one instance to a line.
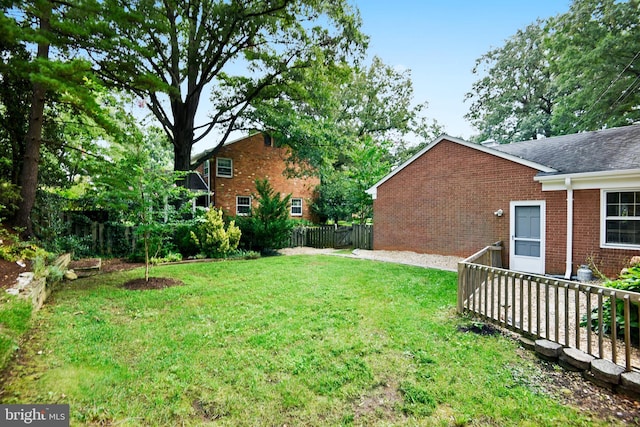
(252,160)
(444,203)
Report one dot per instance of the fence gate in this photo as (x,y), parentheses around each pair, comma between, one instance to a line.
(343,237)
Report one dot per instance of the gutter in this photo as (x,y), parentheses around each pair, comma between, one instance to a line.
(569,186)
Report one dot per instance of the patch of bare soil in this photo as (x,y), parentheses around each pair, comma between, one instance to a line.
(118,264)
(572,389)
(9,272)
(152,283)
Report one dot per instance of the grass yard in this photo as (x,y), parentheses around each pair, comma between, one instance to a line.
(298,340)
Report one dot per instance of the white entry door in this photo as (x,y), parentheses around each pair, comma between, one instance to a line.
(526,251)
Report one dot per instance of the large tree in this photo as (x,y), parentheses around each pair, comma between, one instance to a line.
(594,53)
(51,73)
(514,99)
(574,72)
(348,122)
(171,52)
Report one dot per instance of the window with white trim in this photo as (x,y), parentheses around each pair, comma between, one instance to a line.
(243,205)
(621,218)
(224,167)
(205,168)
(296,207)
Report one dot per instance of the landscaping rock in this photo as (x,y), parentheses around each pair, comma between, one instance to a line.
(606,370)
(588,375)
(70,275)
(578,360)
(631,381)
(548,350)
(527,343)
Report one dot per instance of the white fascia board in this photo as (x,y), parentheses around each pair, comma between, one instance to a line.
(629,178)
(542,168)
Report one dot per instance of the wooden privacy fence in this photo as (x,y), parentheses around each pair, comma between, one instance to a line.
(106,238)
(357,236)
(551,308)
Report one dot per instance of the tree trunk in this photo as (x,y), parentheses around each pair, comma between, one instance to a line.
(29,173)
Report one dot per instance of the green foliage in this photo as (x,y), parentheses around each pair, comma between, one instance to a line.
(596,41)
(211,237)
(629,281)
(198,45)
(348,123)
(13,249)
(534,85)
(9,198)
(515,98)
(268,227)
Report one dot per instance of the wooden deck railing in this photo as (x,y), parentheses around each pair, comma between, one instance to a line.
(550,308)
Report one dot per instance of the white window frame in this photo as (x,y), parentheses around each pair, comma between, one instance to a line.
(206,168)
(299,199)
(230,168)
(243,205)
(604,218)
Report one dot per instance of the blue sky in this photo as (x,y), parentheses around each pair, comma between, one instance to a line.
(439,42)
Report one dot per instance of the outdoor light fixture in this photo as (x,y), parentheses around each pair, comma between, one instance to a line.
(499,212)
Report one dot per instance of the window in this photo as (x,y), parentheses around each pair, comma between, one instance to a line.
(296,207)
(243,205)
(224,168)
(267,140)
(621,216)
(205,168)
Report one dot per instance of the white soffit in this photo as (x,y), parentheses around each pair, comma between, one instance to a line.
(591,180)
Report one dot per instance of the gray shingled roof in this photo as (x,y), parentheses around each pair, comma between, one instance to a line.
(604,150)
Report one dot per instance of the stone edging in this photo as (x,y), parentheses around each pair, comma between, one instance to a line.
(36,290)
(601,372)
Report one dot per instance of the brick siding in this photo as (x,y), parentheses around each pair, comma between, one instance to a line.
(252,160)
(444,203)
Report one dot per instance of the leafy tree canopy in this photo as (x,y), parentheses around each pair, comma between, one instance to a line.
(168,53)
(575,72)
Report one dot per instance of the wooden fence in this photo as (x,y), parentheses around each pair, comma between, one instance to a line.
(106,238)
(550,308)
(356,236)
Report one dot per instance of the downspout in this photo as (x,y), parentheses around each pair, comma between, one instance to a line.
(569,256)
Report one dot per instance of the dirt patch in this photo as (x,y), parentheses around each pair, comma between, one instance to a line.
(480,329)
(118,264)
(152,283)
(570,388)
(9,272)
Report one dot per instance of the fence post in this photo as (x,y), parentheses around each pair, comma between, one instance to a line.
(461,268)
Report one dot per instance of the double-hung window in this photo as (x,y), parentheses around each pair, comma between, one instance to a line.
(243,205)
(296,207)
(205,168)
(621,218)
(224,167)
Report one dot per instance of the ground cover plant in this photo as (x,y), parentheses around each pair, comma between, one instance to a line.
(297,340)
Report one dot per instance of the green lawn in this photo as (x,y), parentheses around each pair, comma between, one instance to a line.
(300,340)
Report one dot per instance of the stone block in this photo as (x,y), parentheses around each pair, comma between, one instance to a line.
(606,371)
(548,350)
(527,343)
(588,375)
(631,381)
(576,358)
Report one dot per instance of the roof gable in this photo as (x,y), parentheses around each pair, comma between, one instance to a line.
(197,159)
(491,151)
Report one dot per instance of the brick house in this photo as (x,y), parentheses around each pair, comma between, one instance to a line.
(555,203)
(228,177)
